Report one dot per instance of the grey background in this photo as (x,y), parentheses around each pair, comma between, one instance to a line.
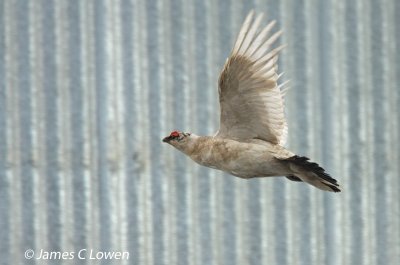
(89,88)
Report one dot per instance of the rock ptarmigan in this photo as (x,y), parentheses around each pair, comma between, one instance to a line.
(253,129)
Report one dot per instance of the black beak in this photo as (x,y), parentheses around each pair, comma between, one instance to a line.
(167,139)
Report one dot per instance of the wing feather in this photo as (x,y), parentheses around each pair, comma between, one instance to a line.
(252,103)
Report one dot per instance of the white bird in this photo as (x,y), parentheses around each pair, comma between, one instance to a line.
(253,129)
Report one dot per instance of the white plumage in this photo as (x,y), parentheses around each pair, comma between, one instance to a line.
(253,129)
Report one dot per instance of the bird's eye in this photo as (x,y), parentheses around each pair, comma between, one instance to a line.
(174,134)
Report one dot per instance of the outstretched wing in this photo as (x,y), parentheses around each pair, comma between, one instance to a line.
(252,104)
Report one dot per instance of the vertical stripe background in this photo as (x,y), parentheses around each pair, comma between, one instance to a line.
(88,90)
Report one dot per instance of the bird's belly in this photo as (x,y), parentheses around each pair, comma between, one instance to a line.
(245,164)
(248,168)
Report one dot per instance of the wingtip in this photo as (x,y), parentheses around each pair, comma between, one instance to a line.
(280,75)
(250,15)
(273,22)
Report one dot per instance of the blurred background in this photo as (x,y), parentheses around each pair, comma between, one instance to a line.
(89,88)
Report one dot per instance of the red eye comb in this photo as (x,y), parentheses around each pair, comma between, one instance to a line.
(174,134)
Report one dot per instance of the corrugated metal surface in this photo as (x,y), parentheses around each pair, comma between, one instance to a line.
(89,88)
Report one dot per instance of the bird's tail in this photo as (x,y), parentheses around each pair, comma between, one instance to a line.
(312,173)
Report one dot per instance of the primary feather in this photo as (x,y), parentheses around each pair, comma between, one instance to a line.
(251,100)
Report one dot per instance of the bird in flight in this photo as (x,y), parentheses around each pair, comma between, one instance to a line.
(253,130)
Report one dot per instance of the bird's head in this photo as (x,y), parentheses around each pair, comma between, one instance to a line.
(179,140)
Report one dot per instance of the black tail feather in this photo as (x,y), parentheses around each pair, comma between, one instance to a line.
(315,168)
(294,178)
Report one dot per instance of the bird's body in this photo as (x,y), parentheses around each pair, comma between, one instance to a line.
(241,159)
(253,129)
